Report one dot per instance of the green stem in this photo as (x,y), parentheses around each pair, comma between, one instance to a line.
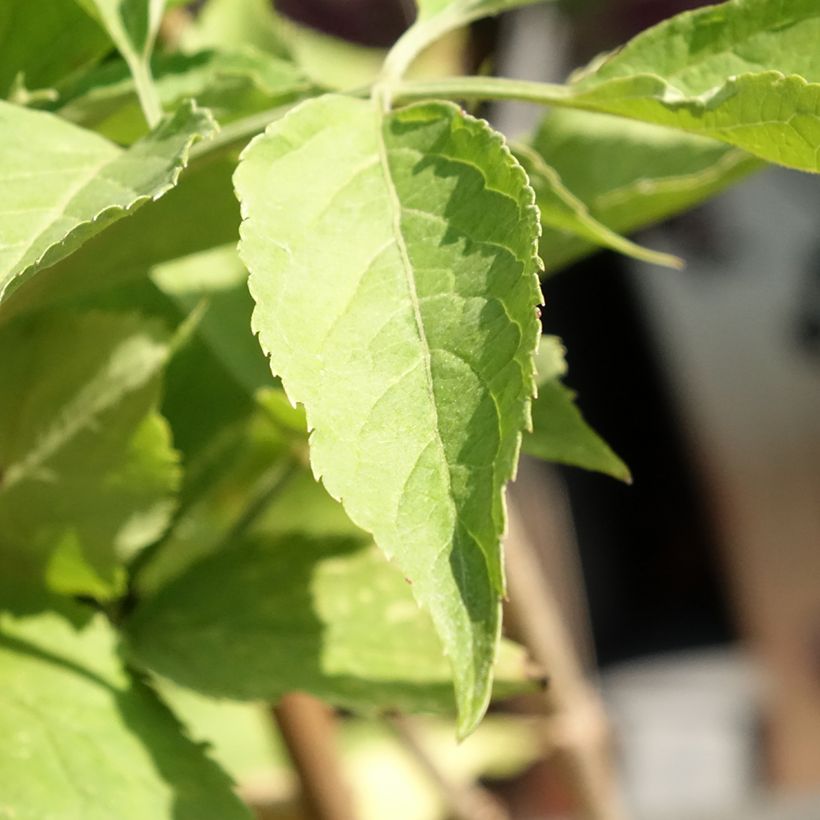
(238,131)
(410,45)
(269,485)
(146,92)
(484,88)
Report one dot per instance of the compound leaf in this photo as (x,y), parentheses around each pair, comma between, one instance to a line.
(82,738)
(88,472)
(62,184)
(393,266)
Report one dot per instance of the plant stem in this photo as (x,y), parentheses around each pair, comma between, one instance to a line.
(237,131)
(485,88)
(463,802)
(269,485)
(410,45)
(307,727)
(146,92)
(578,731)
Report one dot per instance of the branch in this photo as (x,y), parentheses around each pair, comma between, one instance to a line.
(577,728)
(463,802)
(485,88)
(307,727)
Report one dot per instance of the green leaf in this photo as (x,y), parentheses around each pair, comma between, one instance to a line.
(746,72)
(560,433)
(562,211)
(218,279)
(231,84)
(88,472)
(42,43)
(659,172)
(133,26)
(126,251)
(83,738)
(406,259)
(328,616)
(233,472)
(62,184)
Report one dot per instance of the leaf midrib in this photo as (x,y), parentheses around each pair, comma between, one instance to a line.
(409,275)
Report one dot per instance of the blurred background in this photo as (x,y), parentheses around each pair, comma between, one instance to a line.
(690,599)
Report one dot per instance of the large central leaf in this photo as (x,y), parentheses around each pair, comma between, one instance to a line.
(393,262)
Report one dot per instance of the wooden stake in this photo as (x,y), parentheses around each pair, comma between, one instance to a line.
(308,729)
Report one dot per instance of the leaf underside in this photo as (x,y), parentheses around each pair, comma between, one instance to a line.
(82,739)
(407,260)
(88,472)
(325,615)
(659,172)
(62,184)
(42,43)
(562,211)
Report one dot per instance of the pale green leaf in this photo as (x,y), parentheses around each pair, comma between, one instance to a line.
(88,472)
(83,739)
(746,72)
(230,83)
(239,735)
(62,184)
(42,43)
(133,27)
(328,616)
(562,211)
(659,172)
(396,296)
(559,431)
(126,251)
(233,471)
